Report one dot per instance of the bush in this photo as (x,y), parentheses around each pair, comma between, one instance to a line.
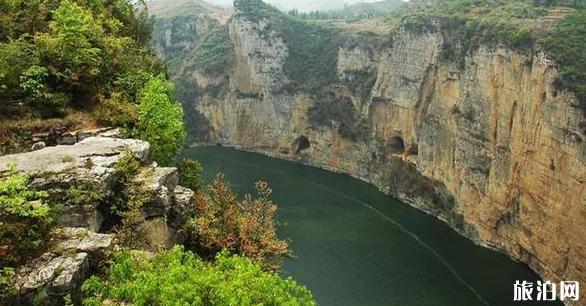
(190,172)
(246,227)
(130,195)
(116,110)
(178,277)
(61,55)
(25,219)
(6,280)
(160,120)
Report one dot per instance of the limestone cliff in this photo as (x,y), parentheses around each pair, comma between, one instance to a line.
(83,184)
(485,142)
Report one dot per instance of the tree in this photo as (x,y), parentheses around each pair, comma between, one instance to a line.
(190,174)
(74,40)
(178,277)
(160,119)
(246,227)
(25,218)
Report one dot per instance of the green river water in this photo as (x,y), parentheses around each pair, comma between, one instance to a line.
(354,245)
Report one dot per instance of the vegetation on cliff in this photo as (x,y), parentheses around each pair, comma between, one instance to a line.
(25,219)
(354,12)
(339,112)
(214,54)
(60,54)
(178,277)
(242,226)
(160,119)
(567,46)
(519,25)
(313,48)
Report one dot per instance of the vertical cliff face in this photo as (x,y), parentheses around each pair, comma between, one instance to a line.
(485,142)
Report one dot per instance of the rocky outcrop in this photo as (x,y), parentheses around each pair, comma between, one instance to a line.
(486,142)
(59,273)
(83,179)
(25,140)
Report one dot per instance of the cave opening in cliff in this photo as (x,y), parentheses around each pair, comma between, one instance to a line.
(397,145)
(301,144)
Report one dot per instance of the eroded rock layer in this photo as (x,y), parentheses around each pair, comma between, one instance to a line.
(485,142)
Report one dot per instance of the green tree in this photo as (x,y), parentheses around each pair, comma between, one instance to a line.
(190,172)
(74,40)
(178,277)
(25,218)
(160,119)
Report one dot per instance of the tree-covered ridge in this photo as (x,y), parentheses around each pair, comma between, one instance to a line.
(354,12)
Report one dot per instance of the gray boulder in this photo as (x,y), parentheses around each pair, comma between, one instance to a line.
(61,271)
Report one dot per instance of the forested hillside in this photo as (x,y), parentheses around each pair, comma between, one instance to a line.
(71,64)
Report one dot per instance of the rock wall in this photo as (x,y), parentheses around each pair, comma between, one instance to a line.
(84,237)
(486,143)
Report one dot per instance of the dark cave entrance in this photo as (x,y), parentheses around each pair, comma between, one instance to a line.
(397,145)
(301,144)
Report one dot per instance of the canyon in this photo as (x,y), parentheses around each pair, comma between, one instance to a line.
(483,140)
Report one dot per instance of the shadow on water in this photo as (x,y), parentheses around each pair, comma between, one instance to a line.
(354,245)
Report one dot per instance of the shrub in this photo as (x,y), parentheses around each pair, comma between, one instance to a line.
(130,195)
(37,94)
(246,227)
(85,193)
(178,277)
(160,119)
(25,219)
(116,110)
(57,55)
(74,40)
(6,279)
(190,172)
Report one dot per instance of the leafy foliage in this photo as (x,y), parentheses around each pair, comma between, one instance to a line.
(6,278)
(25,219)
(130,195)
(160,119)
(244,227)
(178,277)
(190,172)
(60,55)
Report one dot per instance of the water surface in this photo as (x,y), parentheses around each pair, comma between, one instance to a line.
(354,245)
